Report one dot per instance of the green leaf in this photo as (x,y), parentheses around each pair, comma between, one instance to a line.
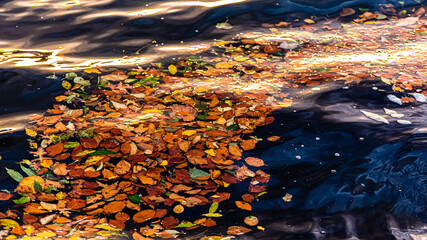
(55,138)
(364,9)
(71,144)
(321,69)
(48,190)
(202,116)
(22,200)
(28,171)
(224,25)
(38,187)
(345,26)
(14,174)
(233,127)
(100,152)
(135,198)
(213,207)
(194,173)
(230,172)
(185,225)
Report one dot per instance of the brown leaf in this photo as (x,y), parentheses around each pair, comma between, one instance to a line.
(235,150)
(256,162)
(347,12)
(75,204)
(184,145)
(60,169)
(114,207)
(122,167)
(170,222)
(248,144)
(29,219)
(122,216)
(237,230)
(144,215)
(55,149)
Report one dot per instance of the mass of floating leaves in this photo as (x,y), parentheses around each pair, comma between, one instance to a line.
(134,150)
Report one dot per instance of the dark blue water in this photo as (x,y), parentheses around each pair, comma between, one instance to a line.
(350,178)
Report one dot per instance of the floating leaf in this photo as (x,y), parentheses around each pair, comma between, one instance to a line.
(22,200)
(28,171)
(100,152)
(256,162)
(212,215)
(213,207)
(195,173)
(172,69)
(185,225)
(14,175)
(189,132)
(224,25)
(30,132)
(375,116)
(37,187)
(135,198)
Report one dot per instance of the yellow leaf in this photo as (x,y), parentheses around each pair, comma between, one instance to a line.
(106,227)
(92,70)
(94,159)
(8,223)
(260,228)
(30,132)
(46,163)
(84,153)
(60,195)
(241,59)
(211,152)
(225,184)
(164,163)
(151,111)
(175,92)
(221,43)
(189,132)
(46,234)
(172,69)
(10,237)
(212,215)
(228,102)
(309,21)
(66,84)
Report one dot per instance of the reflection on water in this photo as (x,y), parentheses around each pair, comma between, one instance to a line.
(351,177)
(67,35)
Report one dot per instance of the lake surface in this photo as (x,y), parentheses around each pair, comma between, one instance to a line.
(350,177)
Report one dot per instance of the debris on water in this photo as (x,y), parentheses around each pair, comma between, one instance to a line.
(289,45)
(224,25)
(404,122)
(394,99)
(375,116)
(419,97)
(393,113)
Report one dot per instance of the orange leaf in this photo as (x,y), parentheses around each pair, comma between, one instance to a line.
(248,144)
(114,207)
(243,205)
(273,138)
(256,162)
(75,204)
(144,215)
